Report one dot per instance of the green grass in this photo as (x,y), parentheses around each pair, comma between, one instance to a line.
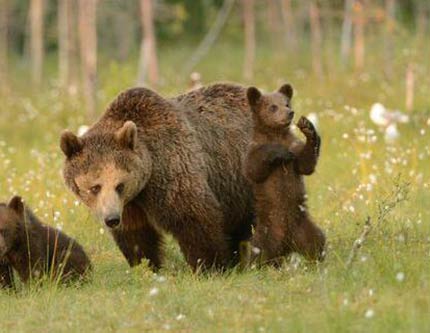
(354,178)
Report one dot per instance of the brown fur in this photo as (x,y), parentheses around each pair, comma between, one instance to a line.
(275,164)
(138,239)
(185,163)
(6,275)
(34,249)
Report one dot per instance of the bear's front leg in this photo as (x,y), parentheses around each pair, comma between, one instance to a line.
(308,153)
(137,238)
(263,159)
(6,276)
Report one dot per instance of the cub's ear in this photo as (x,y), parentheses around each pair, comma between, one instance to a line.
(17,205)
(287,90)
(253,95)
(127,135)
(70,144)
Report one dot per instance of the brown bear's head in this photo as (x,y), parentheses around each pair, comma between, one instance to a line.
(11,215)
(273,110)
(106,170)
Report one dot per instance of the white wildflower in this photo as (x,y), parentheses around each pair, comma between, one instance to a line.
(369,314)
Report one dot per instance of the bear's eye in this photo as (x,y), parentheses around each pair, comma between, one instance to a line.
(95,189)
(273,108)
(120,188)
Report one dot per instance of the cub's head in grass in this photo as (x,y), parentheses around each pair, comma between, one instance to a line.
(271,111)
(106,169)
(11,217)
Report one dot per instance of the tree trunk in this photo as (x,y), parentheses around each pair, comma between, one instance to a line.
(73,49)
(63,42)
(290,29)
(123,33)
(88,51)
(36,40)
(316,39)
(148,64)
(410,87)
(359,34)
(211,36)
(421,14)
(388,40)
(249,27)
(4,10)
(273,22)
(345,47)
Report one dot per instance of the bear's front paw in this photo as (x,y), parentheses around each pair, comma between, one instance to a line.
(307,128)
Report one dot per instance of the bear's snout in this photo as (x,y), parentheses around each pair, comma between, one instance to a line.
(112,221)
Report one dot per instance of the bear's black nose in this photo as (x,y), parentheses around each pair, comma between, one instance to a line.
(112,221)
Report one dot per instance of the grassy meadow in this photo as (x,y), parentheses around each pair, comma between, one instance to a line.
(385,289)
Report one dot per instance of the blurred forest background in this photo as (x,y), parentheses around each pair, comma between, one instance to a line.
(63,61)
(66,43)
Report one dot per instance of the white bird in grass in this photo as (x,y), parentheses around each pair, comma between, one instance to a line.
(387,120)
(381,116)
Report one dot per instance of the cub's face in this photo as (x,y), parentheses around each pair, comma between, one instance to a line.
(106,170)
(10,217)
(272,110)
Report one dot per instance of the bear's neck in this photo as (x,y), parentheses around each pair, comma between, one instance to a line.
(266,134)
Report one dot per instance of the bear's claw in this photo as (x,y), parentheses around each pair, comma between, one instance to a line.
(306,126)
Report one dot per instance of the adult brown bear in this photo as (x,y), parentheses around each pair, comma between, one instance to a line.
(151,165)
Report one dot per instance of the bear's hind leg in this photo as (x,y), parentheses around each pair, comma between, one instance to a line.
(138,239)
(308,240)
(200,234)
(267,242)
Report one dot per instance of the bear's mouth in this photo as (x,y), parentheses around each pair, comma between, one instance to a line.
(289,119)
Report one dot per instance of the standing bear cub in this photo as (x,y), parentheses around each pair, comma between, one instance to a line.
(275,164)
(34,249)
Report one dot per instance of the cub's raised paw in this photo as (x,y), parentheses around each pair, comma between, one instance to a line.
(305,125)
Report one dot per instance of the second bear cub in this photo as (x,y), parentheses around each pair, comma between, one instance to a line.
(275,165)
(34,249)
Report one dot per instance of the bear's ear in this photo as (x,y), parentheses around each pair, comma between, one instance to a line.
(287,90)
(16,205)
(253,95)
(70,144)
(127,135)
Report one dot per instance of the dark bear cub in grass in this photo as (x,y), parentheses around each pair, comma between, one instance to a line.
(34,249)
(275,164)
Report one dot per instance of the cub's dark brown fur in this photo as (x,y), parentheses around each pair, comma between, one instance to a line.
(34,249)
(275,165)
